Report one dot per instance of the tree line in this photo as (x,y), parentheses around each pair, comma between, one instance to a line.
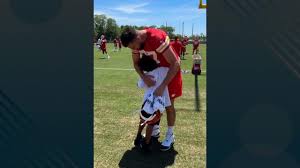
(111,30)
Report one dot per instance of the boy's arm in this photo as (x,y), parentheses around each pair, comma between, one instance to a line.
(141,83)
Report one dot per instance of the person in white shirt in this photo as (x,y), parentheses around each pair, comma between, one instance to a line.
(153,106)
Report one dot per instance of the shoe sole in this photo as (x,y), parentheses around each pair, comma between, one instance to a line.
(167,148)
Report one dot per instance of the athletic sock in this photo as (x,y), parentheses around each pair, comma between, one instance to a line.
(170,130)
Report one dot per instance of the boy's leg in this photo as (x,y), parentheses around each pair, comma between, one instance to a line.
(148,133)
(139,136)
(146,142)
(156,131)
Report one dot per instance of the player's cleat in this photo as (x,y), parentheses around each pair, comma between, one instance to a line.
(168,142)
(138,140)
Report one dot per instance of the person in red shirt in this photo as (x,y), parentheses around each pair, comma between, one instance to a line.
(196,44)
(103,42)
(156,44)
(184,42)
(115,44)
(177,46)
(119,43)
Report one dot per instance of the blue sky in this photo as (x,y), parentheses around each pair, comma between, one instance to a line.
(155,12)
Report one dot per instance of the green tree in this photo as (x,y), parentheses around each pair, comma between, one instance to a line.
(99,25)
(111,29)
(169,30)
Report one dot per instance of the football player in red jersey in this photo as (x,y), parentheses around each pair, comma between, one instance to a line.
(103,46)
(196,44)
(177,46)
(119,43)
(115,44)
(156,44)
(184,42)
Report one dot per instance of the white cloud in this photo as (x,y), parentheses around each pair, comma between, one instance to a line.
(121,20)
(136,8)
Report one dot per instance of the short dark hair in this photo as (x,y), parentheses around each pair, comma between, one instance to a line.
(146,63)
(127,36)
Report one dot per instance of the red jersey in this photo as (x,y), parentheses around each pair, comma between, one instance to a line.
(103,44)
(156,43)
(177,46)
(196,43)
(119,43)
(185,42)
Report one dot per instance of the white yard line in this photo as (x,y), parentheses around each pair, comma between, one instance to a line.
(121,69)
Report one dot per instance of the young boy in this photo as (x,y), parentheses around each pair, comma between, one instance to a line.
(152,107)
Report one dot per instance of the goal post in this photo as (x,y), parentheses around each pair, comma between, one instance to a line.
(202,5)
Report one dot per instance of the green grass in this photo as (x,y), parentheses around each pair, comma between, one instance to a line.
(116,102)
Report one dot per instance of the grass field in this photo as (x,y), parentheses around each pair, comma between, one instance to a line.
(116,102)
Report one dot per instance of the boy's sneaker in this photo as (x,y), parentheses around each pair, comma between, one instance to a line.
(145,147)
(168,142)
(138,140)
(155,131)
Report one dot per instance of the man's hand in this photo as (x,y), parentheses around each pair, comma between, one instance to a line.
(148,80)
(159,90)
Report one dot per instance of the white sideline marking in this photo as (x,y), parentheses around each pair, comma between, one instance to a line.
(122,69)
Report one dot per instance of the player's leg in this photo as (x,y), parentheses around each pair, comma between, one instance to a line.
(139,136)
(106,54)
(148,134)
(155,131)
(170,138)
(146,142)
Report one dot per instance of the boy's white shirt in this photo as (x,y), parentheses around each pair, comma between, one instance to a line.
(159,103)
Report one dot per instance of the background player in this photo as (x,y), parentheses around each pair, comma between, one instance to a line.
(184,42)
(196,44)
(115,45)
(177,45)
(119,43)
(103,46)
